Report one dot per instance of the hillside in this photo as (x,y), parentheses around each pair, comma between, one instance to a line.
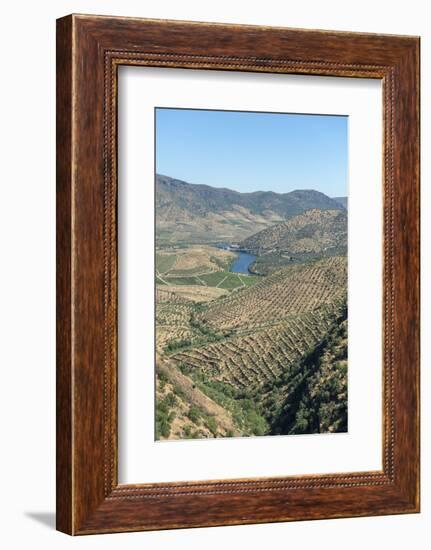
(311,235)
(341,200)
(261,354)
(289,292)
(276,321)
(311,396)
(182,408)
(250,360)
(195,213)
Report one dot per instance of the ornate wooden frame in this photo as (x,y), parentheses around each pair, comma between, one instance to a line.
(89,51)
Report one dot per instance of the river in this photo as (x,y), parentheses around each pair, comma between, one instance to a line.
(242,262)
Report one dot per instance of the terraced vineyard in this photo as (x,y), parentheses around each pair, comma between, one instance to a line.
(173,322)
(250,338)
(290,291)
(255,356)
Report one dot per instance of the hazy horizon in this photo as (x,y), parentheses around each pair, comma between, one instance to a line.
(250,192)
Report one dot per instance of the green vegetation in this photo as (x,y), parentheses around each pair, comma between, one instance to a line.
(195,414)
(159,281)
(174,345)
(311,397)
(246,412)
(213,279)
(248,280)
(199,417)
(182,280)
(228,280)
(211,424)
(165,415)
(164,263)
(220,279)
(231,282)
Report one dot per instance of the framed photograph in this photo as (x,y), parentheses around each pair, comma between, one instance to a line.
(237,274)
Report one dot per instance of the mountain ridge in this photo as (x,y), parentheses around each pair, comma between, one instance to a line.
(193,212)
(341,200)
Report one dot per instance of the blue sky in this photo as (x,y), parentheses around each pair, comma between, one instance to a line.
(253,151)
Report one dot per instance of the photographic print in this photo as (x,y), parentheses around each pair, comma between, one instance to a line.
(251,214)
(237,188)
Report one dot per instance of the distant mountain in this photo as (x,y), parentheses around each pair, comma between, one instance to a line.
(310,235)
(188,212)
(341,200)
